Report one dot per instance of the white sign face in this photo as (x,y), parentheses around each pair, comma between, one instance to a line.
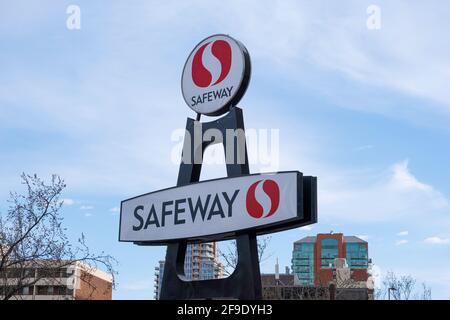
(213,207)
(216,75)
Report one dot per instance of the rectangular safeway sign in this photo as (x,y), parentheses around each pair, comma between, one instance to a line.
(220,208)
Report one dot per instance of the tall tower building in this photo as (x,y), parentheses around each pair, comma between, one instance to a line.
(159,271)
(329,257)
(201,263)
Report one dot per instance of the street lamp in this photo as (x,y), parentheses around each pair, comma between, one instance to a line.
(389,292)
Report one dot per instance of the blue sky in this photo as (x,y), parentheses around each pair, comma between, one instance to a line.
(366,111)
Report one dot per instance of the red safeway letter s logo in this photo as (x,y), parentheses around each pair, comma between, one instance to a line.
(211,63)
(254,207)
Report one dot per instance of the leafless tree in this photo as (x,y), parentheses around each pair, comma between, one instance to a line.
(425,294)
(401,288)
(229,255)
(32,237)
(292,292)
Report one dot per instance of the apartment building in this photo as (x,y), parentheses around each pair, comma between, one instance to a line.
(44,281)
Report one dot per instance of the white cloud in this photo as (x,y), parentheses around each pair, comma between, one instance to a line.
(383,196)
(369,57)
(68,202)
(88,214)
(402,233)
(301,35)
(306,228)
(334,37)
(401,242)
(403,180)
(115,209)
(437,240)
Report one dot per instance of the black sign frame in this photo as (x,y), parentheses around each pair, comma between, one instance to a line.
(245,281)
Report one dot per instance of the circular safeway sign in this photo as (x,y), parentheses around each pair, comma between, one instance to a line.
(216,75)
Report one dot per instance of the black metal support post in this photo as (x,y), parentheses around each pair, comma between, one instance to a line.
(245,281)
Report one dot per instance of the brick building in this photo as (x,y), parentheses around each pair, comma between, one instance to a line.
(331,257)
(280,286)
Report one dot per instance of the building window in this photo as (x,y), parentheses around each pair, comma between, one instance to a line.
(64,272)
(59,290)
(29,273)
(303,263)
(357,256)
(42,290)
(50,290)
(48,273)
(329,251)
(14,273)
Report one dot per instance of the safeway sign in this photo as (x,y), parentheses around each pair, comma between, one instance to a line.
(216,75)
(260,202)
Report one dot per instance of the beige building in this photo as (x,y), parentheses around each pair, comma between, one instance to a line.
(76,281)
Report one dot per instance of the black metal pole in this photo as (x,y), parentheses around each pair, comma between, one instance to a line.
(245,281)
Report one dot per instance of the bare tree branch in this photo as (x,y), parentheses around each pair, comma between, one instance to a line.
(401,288)
(229,255)
(32,237)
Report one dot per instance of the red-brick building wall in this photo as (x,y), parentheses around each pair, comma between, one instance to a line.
(323,276)
(360,274)
(93,288)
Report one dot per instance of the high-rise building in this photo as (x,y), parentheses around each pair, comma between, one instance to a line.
(201,263)
(159,271)
(331,257)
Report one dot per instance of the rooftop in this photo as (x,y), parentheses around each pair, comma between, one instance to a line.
(349,239)
(307,240)
(268,279)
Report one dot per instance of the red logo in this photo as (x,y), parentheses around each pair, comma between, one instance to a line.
(254,207)
(210,75)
